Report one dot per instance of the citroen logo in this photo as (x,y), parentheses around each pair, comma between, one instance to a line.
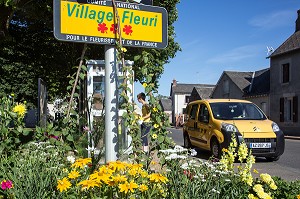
(255,128)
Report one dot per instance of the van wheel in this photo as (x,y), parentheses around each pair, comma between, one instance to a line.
(215,148)
(271,159)
(186,141)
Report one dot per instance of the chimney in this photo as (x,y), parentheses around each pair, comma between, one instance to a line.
(174,82)
(298,22)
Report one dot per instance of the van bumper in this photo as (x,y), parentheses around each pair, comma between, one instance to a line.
(277,144)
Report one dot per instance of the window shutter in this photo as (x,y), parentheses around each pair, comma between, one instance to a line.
(281,109)
(295,109)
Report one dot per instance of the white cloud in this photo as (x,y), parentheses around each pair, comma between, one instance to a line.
(273,20)
(235,55)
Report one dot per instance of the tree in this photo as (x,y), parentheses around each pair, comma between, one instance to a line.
(30,50)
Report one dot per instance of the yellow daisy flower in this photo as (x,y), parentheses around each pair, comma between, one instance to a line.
(144,85)
(20,109)
(63,185)
(154,136)
(81,162)
(156,126)
(86,184)
(143,188)
(124,50)
(73,174)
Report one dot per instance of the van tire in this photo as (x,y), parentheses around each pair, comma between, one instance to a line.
(186,141)
(215,148)
(271,159)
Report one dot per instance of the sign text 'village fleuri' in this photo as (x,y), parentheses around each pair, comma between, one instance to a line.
(93,22)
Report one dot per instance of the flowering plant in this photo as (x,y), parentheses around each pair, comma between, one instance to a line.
(114,180)
(11,123)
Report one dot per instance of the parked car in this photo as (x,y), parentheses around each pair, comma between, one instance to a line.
(210,124)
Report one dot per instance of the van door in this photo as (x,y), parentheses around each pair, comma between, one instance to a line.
(192,123)
(204,126)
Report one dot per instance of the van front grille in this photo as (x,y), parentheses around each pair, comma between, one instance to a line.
(259,140)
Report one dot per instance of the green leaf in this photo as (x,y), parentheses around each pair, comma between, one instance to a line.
(146,59)
(81,75)
(70,138)
(137,57)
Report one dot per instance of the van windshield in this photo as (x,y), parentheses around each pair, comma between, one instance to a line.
(236,111)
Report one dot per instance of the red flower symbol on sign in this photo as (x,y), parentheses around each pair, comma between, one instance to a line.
(102,28)
(127,29)
(114,28)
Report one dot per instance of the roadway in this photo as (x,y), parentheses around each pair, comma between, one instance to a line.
(287,167)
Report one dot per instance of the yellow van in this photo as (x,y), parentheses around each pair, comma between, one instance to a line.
(210,124)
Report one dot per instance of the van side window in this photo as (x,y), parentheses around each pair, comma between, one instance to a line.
(203,114)
(193,112)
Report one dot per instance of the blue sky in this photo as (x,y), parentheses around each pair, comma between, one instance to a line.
(218,35)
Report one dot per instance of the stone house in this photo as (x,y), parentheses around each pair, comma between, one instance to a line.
(252,86)
(284,83)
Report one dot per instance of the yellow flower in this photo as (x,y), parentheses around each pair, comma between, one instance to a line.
(124,50)
(225,150)
(73,174)
(298,196)
(155,109)
(156,177)
(255,171)
(63,185)
(156,126)
(12,94)
(143,188)
(154,136)
(119,178)
(20,109)
(251,196)
(144,85)
(273,186)
(128,186)
(81,162)
(86,184)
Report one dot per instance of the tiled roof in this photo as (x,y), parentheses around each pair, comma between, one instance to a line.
(204,92)
(291,44)
(260,83)
(241,79)
(166,104)
(186,88)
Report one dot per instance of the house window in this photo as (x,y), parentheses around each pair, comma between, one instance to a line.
(285,73)
(187,99)
(289,109)
(226,87)
(264,107)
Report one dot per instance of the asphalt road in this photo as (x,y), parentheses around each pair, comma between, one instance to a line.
(287,167)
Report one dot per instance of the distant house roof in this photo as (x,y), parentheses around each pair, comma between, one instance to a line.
(260,84)
(291,44)
(166,104)
(250,83)
(186,88)
(201,93)
(241,79)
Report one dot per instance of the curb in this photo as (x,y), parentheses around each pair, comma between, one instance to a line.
(292,137)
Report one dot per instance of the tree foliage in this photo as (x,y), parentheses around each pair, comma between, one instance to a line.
(30,51)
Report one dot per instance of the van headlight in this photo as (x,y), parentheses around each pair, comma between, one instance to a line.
(229,127)
(275,127)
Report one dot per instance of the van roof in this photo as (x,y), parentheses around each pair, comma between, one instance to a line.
(220,100)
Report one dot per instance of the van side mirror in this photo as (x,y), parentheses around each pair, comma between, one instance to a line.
(204,118)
